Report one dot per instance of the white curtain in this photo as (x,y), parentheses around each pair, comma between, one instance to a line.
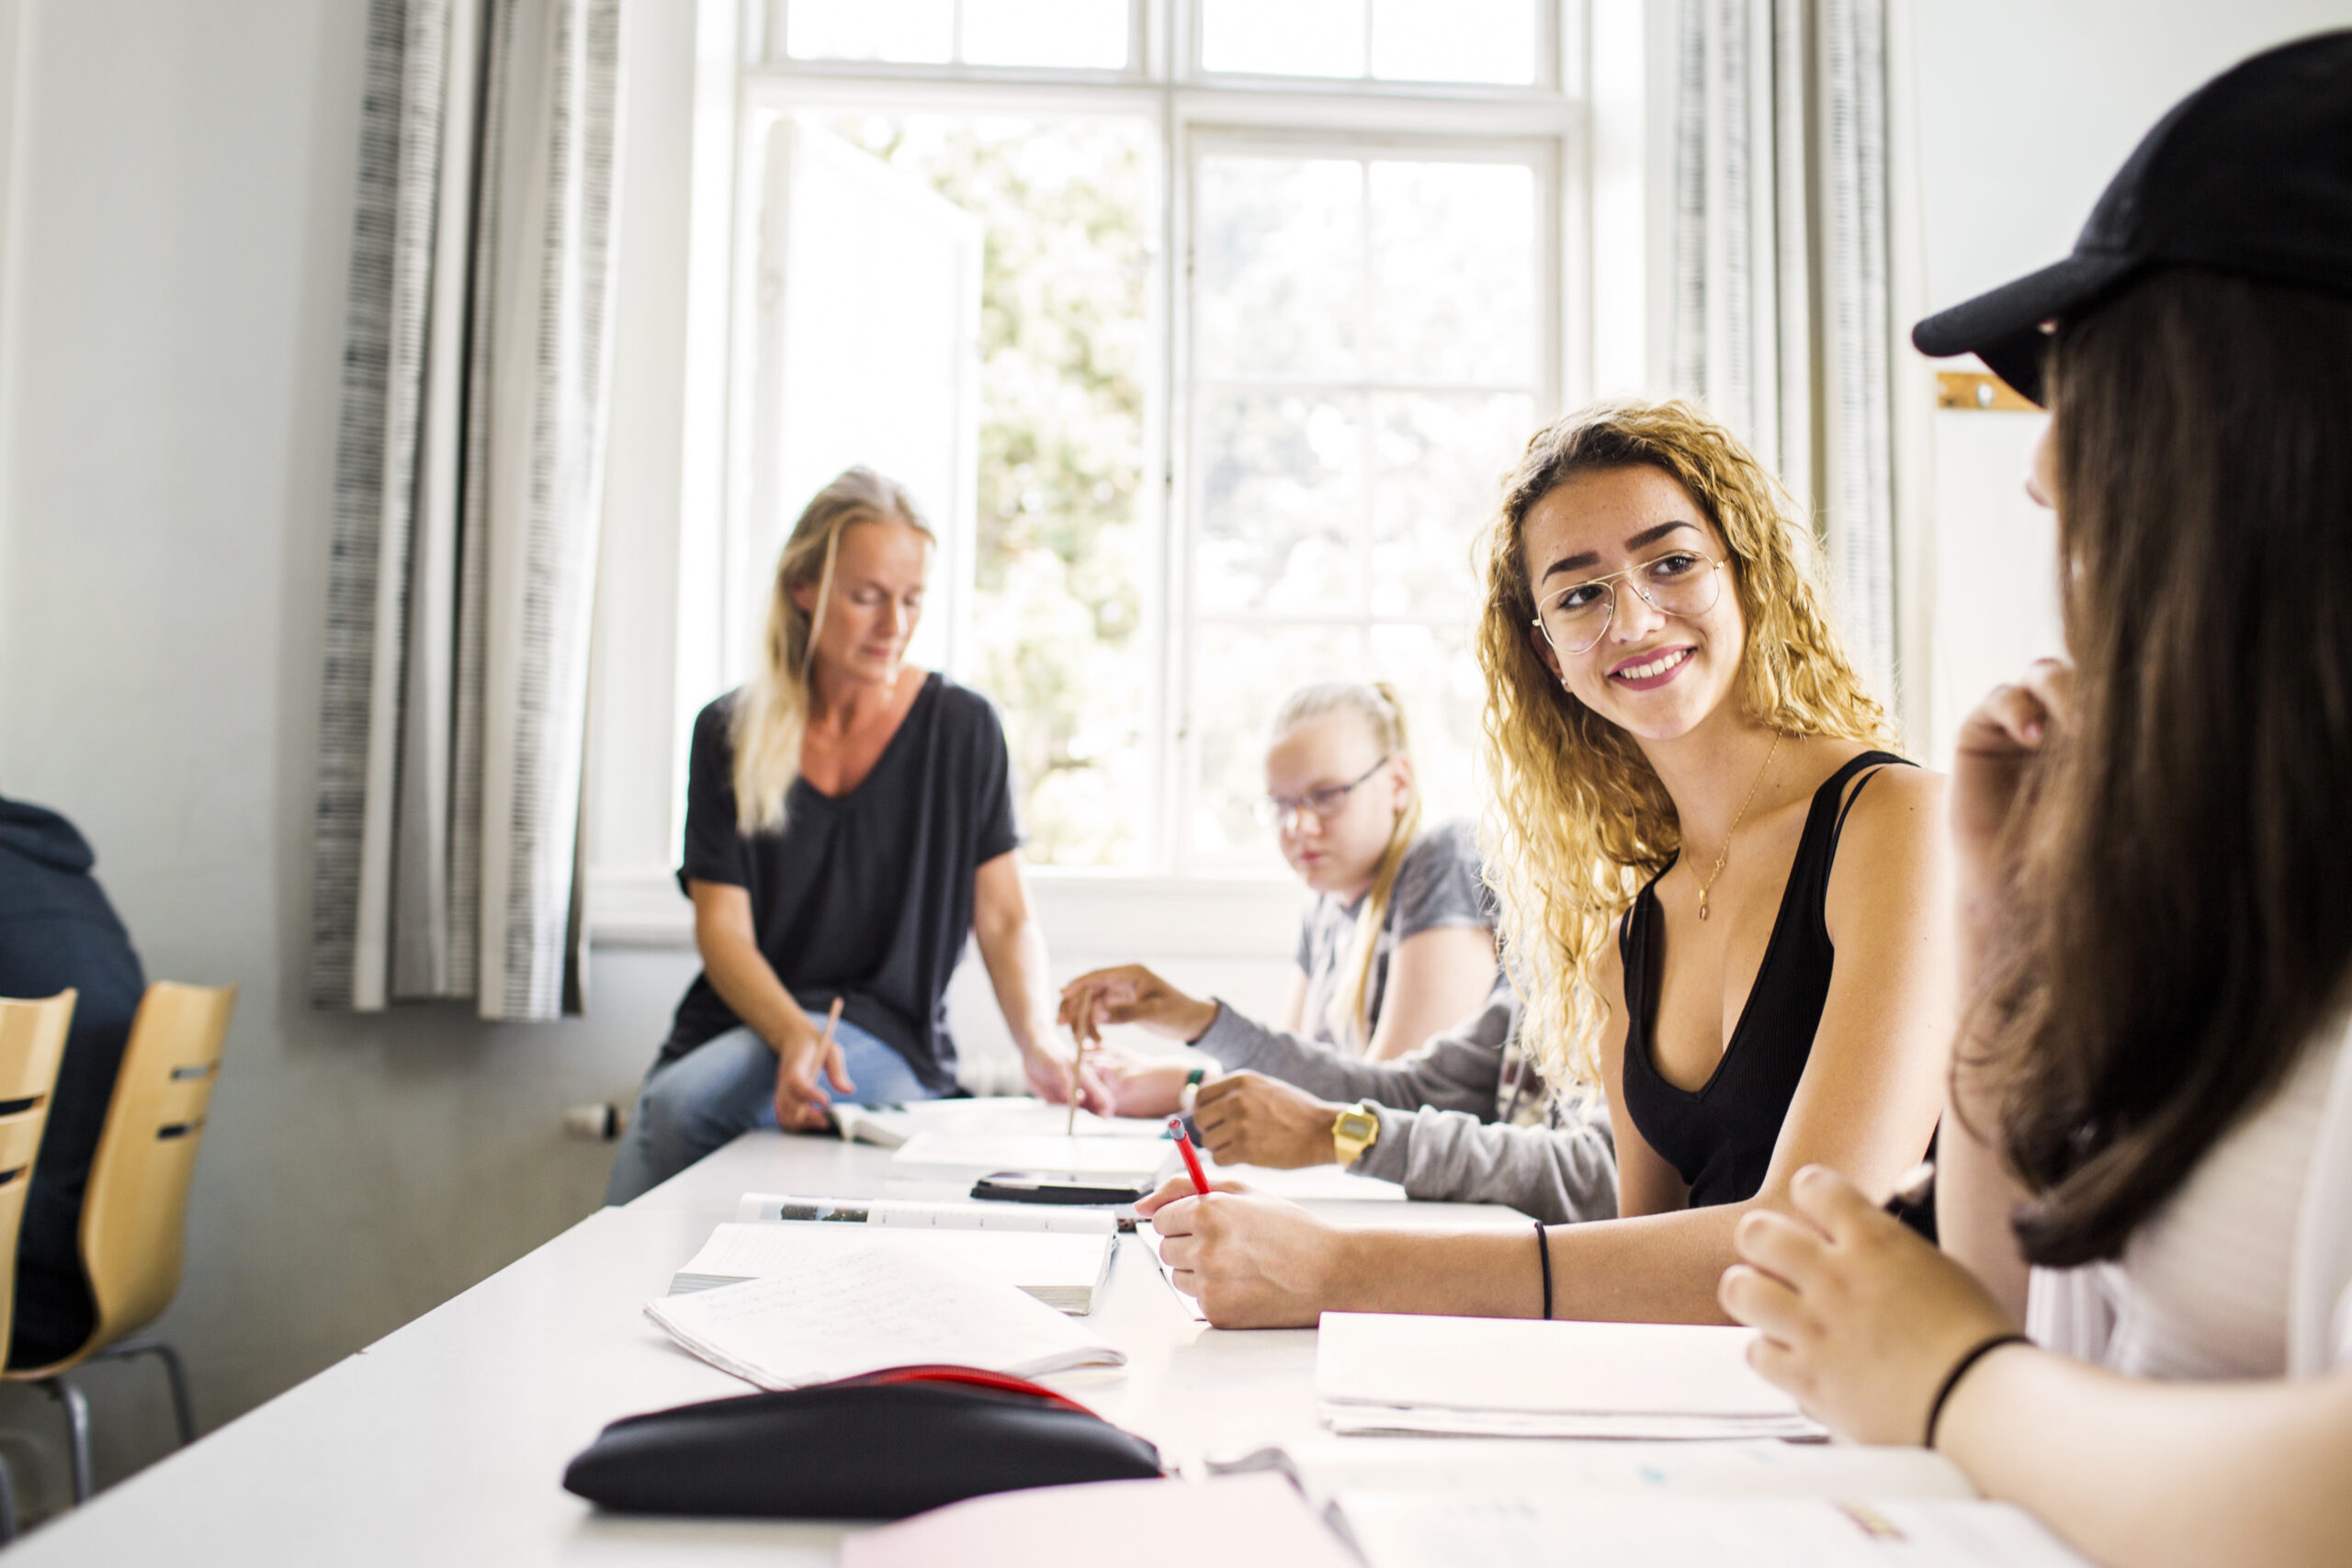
(1780,270)
(468,496)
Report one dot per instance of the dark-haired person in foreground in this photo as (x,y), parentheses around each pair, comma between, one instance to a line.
(2154,867)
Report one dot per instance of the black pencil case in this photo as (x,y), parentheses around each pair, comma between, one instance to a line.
(878,1447)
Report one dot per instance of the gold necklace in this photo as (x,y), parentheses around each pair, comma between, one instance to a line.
(1725,853)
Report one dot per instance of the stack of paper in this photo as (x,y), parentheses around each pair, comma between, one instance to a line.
(1541,1529)
(1063,1270)
(1512,1377)
(1326,1468)
(839,1313)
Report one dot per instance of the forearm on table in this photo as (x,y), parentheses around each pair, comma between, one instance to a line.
(2144,1475)
(1656,1269)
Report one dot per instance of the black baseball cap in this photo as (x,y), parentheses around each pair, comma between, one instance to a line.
(2249,174)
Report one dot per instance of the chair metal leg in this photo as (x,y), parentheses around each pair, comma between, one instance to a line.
(7,1503)
(77,1426)
(175,1372)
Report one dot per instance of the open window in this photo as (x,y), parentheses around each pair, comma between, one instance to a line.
(867,333)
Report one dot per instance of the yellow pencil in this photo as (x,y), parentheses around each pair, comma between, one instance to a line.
(825,1041)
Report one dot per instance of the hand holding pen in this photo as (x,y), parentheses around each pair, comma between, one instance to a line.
(800,1100)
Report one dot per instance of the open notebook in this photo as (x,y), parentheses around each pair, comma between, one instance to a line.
(841,1312)
(1063,1270)
(1511,1377)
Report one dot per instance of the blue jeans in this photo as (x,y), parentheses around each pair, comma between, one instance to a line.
(725,1086)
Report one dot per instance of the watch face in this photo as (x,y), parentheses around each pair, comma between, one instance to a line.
(1356,1125)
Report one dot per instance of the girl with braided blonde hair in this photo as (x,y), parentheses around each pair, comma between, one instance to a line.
(1728,905)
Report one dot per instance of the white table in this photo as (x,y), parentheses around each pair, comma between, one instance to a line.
(445,1441)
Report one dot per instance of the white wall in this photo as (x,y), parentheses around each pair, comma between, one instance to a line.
(180,233)
(2026,110)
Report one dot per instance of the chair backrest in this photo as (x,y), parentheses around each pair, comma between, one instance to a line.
(32,1046)
(134,1215)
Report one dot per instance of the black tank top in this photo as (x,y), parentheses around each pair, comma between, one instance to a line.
(1720,1136)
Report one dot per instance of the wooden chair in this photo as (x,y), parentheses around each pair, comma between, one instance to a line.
(134,1212)
(32,1045)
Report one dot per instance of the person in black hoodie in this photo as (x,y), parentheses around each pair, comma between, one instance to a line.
(57,929)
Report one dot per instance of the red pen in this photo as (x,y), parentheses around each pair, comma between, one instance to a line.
(1192,1161)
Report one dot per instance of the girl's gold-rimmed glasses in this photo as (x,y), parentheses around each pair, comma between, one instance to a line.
(1681,582)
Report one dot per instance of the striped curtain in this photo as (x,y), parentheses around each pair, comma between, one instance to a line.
(469,489)
(1782,299)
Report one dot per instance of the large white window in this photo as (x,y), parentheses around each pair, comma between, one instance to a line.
(1204,327)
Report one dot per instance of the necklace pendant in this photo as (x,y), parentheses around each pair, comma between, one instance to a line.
(1703,906)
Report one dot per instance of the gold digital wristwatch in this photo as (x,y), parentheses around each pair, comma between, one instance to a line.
(1353,1131)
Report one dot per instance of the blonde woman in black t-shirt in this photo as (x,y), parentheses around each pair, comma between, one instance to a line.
(849,820)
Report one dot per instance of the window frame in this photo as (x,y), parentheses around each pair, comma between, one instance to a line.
(1544,124)
(1540,156)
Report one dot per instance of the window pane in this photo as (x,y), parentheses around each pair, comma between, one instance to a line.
(1435,669)
(1057,611)
(1240,675)
(1283,38)
(1073,34)
(912,31)
(1282,503)
(1453,263)
(1439,461)
(1454,41)
(1278,265)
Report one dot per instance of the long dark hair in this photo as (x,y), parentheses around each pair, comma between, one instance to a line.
(2180,884)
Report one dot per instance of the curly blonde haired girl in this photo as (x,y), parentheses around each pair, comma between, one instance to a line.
(1577,818)
(1731,906)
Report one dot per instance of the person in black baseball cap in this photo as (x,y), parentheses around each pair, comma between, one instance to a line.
(2249,175)
(2151,1099)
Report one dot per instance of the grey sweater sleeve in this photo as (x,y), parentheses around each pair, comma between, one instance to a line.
(1560,1174)
(1458,1070)
(1439,1136)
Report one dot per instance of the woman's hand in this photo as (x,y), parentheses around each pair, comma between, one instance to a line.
(1047,1070)
(1251,1261)
(1129,993)
(1251,1119)
(1861,1320)
(800,1101)
(1146,1086)
(1995,744)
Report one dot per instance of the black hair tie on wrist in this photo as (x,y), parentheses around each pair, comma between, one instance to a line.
(1960,1369)
(1544,1251)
